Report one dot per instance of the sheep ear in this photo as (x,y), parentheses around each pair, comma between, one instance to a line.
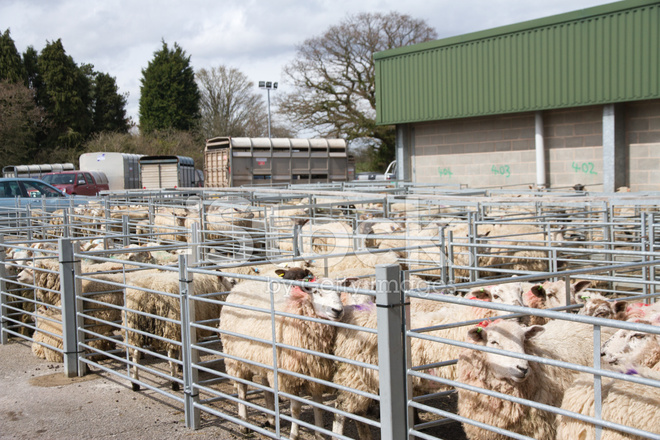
(482,293)
(620,306)
(538,291)
(534,331)
(298,294)
(346,282)
(580,286)
(477,335)
(280,272)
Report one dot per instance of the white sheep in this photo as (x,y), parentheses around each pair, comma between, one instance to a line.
(497,255)
(99,291)
(318,337)
(363,346)
(551,294)
(512,376)
(631,347)
(625,403)
(146,309)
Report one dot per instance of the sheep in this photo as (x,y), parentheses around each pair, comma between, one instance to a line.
(352,262)
(623,402)
(145,308)
(515,377)
(97,290)
(362,346)
(49,327)
(45,276)
(551,294)
(312,302)
(168,226)
(495,256)
(631,347)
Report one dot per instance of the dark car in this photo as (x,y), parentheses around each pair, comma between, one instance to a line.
(17,192)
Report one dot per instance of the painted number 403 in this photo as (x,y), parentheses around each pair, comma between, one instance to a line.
(584,167)
(502,170)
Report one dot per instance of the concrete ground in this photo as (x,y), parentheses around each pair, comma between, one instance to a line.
(37,401)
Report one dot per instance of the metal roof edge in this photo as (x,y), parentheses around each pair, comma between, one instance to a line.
(576,15)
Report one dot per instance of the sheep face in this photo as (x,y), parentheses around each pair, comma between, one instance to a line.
(553,294)
(509,336)
(502,293)
(628,347)
(327,303)
(601,308)
(26,276)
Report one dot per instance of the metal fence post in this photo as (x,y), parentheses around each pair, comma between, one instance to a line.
(391,358)
(296,240)
(69,293)
(188,339)
(4,336)
(125,230)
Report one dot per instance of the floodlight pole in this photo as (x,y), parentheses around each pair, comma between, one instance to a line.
(268,85)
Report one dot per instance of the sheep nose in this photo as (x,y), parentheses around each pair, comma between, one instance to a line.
(523,370)
(338,312)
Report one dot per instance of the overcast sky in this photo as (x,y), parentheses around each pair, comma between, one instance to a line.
(119,37)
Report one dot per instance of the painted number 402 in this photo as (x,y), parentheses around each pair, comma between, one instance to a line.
(584,167)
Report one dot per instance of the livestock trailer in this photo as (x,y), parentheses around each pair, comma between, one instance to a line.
(167,172)
(35,171)
(271,161)
(122,169)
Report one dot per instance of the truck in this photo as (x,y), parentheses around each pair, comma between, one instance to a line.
(272,161)
(167,172)
(84,183)
(121,169)
(36,171)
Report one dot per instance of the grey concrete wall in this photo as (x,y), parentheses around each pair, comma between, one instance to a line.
(499,150)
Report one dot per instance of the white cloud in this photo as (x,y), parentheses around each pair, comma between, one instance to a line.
(119,37)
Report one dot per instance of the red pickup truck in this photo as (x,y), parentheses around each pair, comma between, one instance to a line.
(84,183)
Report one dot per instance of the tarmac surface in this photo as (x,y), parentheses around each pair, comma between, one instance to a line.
(38,401)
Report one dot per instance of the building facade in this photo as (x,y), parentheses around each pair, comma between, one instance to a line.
(564,100)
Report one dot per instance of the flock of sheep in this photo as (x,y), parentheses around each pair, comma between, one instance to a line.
(293,317)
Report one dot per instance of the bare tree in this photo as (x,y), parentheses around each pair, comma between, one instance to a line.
(333,78)
(231,105)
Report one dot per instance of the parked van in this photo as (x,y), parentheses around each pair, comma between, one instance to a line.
(84,183)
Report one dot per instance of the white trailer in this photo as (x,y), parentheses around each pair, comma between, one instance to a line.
(122,169)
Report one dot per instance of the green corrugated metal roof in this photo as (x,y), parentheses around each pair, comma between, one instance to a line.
(605,54)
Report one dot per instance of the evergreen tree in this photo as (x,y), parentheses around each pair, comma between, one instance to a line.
(109,106)
(34,80)
(20,121)
(169,97)
(67,98)
(11,65)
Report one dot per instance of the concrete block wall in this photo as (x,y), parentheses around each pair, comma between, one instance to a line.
(482,151)
(499,151)
(642,120)
(574,147)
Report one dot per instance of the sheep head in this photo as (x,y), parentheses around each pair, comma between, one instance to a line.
(326,302)
(295,273)
(553,294)
(631,347)
(601,308)
(509,336)
(502,293)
